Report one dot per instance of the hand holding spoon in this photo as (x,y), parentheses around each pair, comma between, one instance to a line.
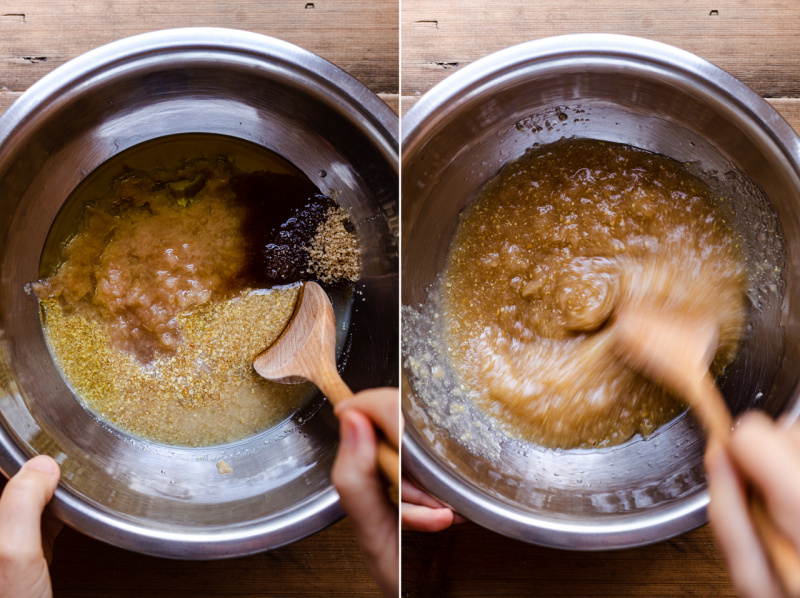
(307,351)
(676,351)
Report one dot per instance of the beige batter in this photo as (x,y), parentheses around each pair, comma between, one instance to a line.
(538,263)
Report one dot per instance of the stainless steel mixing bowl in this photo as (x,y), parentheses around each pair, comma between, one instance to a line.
(168,500)
(620,89)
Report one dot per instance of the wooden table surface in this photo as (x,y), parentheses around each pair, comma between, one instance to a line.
(756,41)
(360,36)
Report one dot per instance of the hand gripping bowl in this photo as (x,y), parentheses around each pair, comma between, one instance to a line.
(620,89)
(168,500)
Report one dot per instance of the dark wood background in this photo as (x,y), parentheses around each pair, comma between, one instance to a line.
(360,36)
(756,41)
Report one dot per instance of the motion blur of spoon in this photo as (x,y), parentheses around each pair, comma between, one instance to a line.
(307,351)
(676,350)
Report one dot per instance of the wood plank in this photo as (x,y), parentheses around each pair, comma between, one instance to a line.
(788,108)
(757,42)
(7,98)
(360,36)
(468,561)
(392,100)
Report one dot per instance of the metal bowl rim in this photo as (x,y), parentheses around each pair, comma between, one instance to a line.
(438,105)
(361,105)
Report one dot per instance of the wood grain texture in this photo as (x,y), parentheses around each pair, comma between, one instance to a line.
(757,42)
(9,97)
(468,561)
(360,36)
(788,108)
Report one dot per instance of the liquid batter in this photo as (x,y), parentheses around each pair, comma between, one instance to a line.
(537,265)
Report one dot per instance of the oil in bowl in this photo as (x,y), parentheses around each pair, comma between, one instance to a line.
(171,267)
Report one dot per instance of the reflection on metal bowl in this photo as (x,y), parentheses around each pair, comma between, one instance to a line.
(643,94)
(169,500)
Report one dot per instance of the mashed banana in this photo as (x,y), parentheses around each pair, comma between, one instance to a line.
(146,253)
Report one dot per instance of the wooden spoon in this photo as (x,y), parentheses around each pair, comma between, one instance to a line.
(676,351)
(307,351)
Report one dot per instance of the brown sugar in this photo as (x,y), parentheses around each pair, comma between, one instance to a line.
(333,253)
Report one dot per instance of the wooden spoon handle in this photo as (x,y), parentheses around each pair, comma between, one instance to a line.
(332,386)
(710,408)
(782,554)
(389,462)
(713,413)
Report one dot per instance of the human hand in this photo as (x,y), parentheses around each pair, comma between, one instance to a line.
(23,568)
(419,511)
(765,457)
(362,488)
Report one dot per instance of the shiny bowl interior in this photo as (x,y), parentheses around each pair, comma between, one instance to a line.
(167,500)
(620,89)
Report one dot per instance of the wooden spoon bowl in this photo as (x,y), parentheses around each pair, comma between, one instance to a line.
(307,351)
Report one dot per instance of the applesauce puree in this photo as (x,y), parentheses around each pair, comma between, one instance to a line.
(540,259)
(146,253)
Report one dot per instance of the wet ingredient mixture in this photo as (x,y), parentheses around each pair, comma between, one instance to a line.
(174,281)
(537,265)
(206,392)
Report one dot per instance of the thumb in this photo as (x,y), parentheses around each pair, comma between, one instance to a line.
(23,502)
(355,475)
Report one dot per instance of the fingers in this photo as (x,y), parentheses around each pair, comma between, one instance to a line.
(364,498)
(23,570)
(768,457)
(411,493)
(734,528)
(792,430)
(23,502)
(425,519)
(51,527)
(382,406)
(421,512)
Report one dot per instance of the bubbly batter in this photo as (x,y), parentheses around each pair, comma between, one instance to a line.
(537,265)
